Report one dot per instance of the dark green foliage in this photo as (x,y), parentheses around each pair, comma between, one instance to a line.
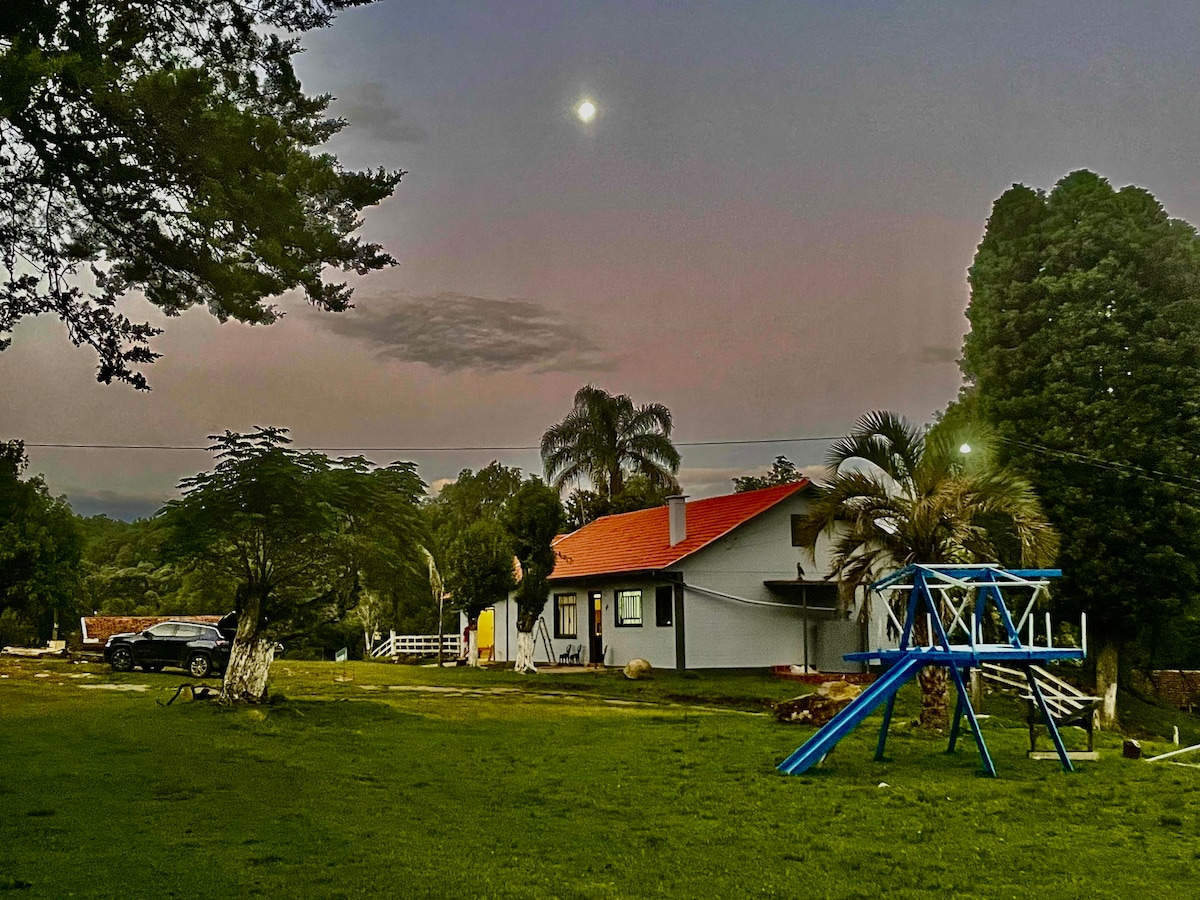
(782,471)
(127,572)
(1085,331)
(638,492)
(473,496)
(606,439)
(167,149)
(301,536)
(533,517)
(40,548)
(480,567)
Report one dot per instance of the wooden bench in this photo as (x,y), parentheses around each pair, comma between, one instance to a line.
(1068,705)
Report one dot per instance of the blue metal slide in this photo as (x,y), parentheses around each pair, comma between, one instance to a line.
(814,749)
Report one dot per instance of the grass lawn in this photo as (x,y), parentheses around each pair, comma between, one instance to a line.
(376,780)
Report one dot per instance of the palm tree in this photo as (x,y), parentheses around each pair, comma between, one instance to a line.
(898,495)
(606,438)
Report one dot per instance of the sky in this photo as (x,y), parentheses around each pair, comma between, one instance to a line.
(766,227)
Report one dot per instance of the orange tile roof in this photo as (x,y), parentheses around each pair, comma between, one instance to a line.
(639,541)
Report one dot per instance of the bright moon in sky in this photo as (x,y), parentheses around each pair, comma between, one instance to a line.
(586,111)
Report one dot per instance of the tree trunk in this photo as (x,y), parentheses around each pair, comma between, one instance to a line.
(1106,682)
(473,648)
(249,665)
(935,709)
(934,684)
(249,659)
(525,653)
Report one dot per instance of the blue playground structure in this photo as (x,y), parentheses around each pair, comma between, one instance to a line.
(966,592)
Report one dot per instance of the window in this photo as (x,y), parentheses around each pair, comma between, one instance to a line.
(565,616)
(664,605)
(796,520)
(629,607)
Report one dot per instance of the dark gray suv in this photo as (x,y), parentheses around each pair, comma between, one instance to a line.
(201,649)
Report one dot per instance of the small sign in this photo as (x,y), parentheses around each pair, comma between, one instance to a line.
(341,655)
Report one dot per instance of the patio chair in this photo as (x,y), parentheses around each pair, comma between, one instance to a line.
(565,657)
(574,655)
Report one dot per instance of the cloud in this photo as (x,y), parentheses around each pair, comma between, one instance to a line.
(455,332)
(367,108)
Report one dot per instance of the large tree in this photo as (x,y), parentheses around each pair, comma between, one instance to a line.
(533,517)
(480,571)
(167,149)
(897,495)
(605,439)
(40,548)
(1085,331)
(299,534)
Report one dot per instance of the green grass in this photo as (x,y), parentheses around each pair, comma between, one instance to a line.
(372,780)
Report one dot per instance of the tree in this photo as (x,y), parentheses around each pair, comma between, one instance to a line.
(782,471)
(298,533)
(479,572)
(472,496)
(532,517)
(40,548)
(638,492)
(457,506)
(897,496)
(605,439)
(167,149)
(1085,329)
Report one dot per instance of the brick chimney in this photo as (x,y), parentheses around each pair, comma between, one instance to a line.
(677,518)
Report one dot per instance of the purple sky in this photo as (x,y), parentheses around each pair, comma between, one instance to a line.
(767,227)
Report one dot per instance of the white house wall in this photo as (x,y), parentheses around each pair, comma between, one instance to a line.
(719,632)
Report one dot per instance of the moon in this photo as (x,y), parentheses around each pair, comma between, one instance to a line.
(586,111)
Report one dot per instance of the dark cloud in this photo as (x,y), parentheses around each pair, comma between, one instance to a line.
(455,332)
(367,108)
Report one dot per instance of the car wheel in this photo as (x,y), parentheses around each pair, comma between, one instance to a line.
(122,660)
(199,665)
(154,668)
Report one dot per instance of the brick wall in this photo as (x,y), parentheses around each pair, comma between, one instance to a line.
(1179,687)
(98,629)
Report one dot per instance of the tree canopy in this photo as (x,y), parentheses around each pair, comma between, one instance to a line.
(606,439)
(1085,331)
(301,536)
(782,471)
(40,548)
(168,149)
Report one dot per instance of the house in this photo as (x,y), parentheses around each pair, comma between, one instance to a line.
(714,583)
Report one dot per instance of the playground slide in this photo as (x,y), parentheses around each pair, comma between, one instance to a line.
(814,749)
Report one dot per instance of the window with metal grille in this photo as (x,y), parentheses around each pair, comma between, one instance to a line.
(629,607)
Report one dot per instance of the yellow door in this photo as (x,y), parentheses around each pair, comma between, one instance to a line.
(486,635)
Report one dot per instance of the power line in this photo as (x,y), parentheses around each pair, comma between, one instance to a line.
(790,440)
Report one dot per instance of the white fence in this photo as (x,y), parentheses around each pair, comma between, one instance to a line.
(416,645)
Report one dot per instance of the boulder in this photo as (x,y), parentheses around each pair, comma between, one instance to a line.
(637,668)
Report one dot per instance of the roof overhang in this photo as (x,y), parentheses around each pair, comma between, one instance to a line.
(813,595)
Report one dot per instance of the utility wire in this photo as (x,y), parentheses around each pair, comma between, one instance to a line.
(418,449)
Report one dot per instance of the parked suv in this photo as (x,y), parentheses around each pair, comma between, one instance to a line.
(201,649)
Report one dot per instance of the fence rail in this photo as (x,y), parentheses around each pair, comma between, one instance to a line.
(416,645)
